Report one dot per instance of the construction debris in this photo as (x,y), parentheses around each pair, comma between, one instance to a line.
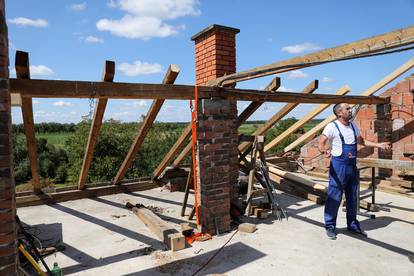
(162,229)
(247,227)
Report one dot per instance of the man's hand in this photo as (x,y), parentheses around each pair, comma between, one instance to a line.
(385,146)
(327,154)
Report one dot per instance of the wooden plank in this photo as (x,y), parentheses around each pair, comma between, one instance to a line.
(16,100)
(163,230)
(310,88)
(281,137)
(271,87)
(298,178)
(386,163)
(390,40)
(51,198)
(108,75)
(169,78)
(370,91)
(87,89)
(23,72)
(179,144)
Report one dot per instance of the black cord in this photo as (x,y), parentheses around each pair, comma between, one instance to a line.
(215,254)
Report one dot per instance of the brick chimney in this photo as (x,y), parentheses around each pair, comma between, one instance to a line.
(217,156)
(8,245)
(215,52)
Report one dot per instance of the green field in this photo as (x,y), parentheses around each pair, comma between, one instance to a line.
(57,139)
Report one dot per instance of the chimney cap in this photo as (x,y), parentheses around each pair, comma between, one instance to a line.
(215,27)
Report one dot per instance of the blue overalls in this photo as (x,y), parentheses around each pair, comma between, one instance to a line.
(343,175)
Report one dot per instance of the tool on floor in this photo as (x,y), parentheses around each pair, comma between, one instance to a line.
(28,244)
(258,169)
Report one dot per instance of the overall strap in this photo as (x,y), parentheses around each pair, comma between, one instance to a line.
(353,129)
(340,134)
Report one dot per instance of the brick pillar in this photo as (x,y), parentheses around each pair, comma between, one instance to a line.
(8,248)
(217,156)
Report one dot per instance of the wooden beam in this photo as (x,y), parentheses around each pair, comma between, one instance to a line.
(296,177)
(162,229)
(375,44)
(23,72)
(85,89)
(369,92)
(170,77)
(108,76)
(386,163)
(271,87)
(51,198)
(281,137)
(310,88)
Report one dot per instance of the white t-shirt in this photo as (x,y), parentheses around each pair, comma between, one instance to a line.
(332,133)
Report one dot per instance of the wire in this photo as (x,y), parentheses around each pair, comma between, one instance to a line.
(215,254)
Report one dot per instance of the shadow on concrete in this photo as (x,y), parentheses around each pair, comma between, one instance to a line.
(231,257)
(86,261)
(112,227)
(119,205)
(158,199)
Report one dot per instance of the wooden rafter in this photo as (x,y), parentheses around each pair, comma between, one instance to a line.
(383,42)
(108,76)
(86,89)
(250,109)
(370,91)
(341,91)
(170,77)
(310,88)
(23,72)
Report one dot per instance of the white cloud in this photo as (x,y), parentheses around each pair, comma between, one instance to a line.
(23,21)
(139,68)
(62,103)
(327,79)
(144,19)
(12,46)
(93,39)
(134,104)
(297,74)
(36,71)
(78,7)
(301,48)
(35,102)
(285,89)
(40,70)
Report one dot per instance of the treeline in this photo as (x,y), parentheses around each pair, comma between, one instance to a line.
(46,128)
(63,164)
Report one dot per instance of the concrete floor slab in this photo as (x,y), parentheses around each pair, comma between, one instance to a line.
(104,238)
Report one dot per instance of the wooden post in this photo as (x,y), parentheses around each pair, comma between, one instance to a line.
(281,137)
(369,92)
(108,76)
(280,114)
(23,72)
(170,77)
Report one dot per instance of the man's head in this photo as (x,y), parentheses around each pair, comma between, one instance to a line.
(343,110)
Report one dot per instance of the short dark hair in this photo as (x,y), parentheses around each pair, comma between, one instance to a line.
(336,108)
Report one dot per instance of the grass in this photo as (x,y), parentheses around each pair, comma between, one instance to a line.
(57,139)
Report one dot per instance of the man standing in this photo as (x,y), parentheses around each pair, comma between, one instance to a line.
(343,136)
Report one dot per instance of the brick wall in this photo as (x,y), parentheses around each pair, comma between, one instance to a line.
(217,156)
(380,123)
(8,248)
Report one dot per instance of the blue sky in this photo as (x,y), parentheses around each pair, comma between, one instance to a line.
(70,40)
